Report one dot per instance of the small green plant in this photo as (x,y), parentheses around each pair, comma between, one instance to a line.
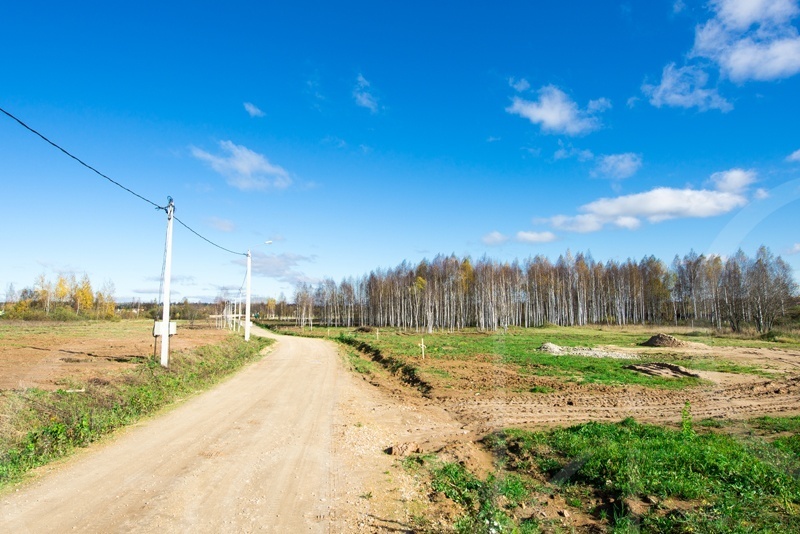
(686,420)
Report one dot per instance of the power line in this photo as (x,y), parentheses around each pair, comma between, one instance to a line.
(80,160)
(208,240)
(117,183)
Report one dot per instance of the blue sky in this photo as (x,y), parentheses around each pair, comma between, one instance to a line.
(356,135)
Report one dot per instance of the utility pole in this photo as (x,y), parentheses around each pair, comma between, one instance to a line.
(167,278)
(247,305)
(248,277)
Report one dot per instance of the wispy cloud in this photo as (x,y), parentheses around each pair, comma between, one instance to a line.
(567,151)
(751,39)
(685,87)
(223,225)
(244,169)
(493,139)
(283,267)
(312,88)
(535,237)
(494,238)
(186,280)
(333,140)
(795,249)
(618,166)
(613,166)
(555,112)
(794,156)
(519,85)
(363,96)
(253,110)
(660,204)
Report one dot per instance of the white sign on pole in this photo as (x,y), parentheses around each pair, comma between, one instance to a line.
(159,329)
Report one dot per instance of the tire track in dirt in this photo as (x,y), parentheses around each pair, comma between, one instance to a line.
(761,397)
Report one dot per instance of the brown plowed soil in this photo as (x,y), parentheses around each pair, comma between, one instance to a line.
(51,355)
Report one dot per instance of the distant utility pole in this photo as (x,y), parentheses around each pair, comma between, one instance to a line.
(247,305)
(165,326)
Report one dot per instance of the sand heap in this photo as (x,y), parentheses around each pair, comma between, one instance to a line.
(664,340)
(552,348)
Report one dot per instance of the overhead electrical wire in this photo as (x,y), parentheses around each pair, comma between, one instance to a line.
(208,240)
(80,160)
(21,123)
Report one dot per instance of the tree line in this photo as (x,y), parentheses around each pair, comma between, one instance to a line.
(65,297)
(452,293)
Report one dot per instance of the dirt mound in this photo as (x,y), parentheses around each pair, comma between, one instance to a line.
(666,370)
(664,340)
(555,350)
(551,348)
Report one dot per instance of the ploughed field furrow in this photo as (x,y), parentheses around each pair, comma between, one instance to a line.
(727,402)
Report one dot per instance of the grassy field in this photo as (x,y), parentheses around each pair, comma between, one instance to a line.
(517,349)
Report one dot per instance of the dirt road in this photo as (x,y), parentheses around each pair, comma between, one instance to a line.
(256,454)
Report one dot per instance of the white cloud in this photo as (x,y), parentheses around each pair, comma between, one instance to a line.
(223,225)
(556,113)
(685,87)
(588,222)
(598,106)
(733,181)
(741,14)
(494,238)
(761,194)
(678,6)
(245,169)
(519,85)
(660,204)
(493,139)
(282,267)
(795,249)
(794,156)
(631,223)
(618,166)
(363,96)
(664,203)
(253,110)
(751,39)
(535,237)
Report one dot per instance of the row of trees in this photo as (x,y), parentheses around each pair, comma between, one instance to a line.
(451,293)
(65,293)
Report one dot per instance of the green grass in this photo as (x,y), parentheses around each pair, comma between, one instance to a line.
(518,349)
(45,425)
(358,364)
(736,486)
(777,424)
